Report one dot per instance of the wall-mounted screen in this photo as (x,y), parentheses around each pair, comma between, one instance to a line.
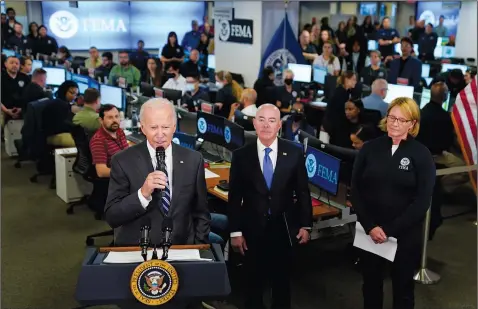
(430,12)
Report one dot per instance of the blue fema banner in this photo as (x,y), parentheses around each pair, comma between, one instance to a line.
(236,31)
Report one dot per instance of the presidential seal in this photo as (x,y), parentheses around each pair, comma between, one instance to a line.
(279,60)
(154,282)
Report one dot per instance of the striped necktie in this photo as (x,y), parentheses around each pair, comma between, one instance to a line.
(166,193)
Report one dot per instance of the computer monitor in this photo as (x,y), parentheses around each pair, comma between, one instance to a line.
(233,135)
(438,52)
(8,52)
(211,62)
(146,89)
(428,80)
(210,128)
(185,140)
(68,75)
(449,66)
(82,88)
(372,45)
(93,83)
(55,76)
(448,52)
(395,91)
(319,75)
(113,95)
(302,72)
(188,123)
(82,81)
(36,64)
(323,170)
(172,95)
(425,70)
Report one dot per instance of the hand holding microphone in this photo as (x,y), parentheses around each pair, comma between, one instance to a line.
(155,180)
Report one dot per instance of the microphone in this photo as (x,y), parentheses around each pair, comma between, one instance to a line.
(160,158)
(167,231)
(145,241)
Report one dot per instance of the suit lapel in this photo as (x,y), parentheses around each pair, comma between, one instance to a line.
(278,171)
(258,176)
(146,164)
(178,173)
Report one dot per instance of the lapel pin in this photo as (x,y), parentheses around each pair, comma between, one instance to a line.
(284,153)
(181,161)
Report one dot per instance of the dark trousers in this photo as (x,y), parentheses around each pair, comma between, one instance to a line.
(402,271)
(268,260)
(98,196)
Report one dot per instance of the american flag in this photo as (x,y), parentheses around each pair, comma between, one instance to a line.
(464,119)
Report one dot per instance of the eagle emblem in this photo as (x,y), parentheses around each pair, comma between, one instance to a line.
(155,282)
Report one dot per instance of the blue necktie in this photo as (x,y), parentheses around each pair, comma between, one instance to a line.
(166,196)
(267,168)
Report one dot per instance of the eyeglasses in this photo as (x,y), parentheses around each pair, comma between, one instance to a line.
(394,119)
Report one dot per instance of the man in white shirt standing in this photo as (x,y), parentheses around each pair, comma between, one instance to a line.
(265,223)
(142,183)
(175,80)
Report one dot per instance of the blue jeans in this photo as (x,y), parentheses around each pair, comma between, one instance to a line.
(218,222)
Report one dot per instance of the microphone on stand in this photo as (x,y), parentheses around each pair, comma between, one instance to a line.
(145,240)
(167,231)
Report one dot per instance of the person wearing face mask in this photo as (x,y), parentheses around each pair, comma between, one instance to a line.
(295,122)
(87,117)
(262,83)
(194,93)
(392,184)
(287,94)
(58,115)
(229,92)
(375,70)
(175,80)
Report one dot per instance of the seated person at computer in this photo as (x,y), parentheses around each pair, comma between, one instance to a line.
(107,141)
(295,122)
(172,51)
(88,117)
(13,88)
(191,67)
(343,93)
(34,90)
(427,43)
(175,80)
(229,92)
(362,135)
(44,44)
(375,100)
(289,93)
(248,102)
(94,61)
(262,83)
(469,75)
(153,74)
(58,115)
(124,72)
(374,70)
(405,70)
(107,64)
(327,60)
(454,79)
(194,93)
(64,57)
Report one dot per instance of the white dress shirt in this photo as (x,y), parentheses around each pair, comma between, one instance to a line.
(169,168)
(250,110)
(176,84)
(261,152)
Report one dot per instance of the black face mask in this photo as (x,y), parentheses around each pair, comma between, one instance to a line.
(288,81)
(298,117)
(171,75)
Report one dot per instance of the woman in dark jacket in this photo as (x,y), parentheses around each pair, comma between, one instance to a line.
(45,44)
(367,26)
(262,84)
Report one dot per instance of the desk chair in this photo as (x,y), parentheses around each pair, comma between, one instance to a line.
(244,120)
(83,165)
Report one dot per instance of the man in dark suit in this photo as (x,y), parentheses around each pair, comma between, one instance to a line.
(265,222)
(135,184)
(406,69)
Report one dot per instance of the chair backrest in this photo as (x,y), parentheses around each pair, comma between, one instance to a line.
(33,135)
(244,120)
(83,164)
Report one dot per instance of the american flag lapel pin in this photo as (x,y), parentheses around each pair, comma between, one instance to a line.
(284,153)
(181,161)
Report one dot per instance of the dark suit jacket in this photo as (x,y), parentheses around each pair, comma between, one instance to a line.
(412,71)
(123,210)
(250,199)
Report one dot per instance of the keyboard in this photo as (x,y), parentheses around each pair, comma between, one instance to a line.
(136,138)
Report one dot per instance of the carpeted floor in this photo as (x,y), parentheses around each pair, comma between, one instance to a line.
(42,249)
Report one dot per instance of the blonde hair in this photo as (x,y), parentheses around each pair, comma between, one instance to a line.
(331,56)
(236,88)
(249,94)
(409,108)
(287,71)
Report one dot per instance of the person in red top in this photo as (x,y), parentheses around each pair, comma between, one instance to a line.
(107,141)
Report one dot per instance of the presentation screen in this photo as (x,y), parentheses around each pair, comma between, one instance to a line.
(114,25)
(322,170)
(395,91)
(430,12)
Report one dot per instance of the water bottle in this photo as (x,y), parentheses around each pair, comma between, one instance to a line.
(134,120)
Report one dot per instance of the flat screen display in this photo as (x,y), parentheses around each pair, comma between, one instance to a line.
(319,75)
(395,91)
(425,70)
(449,66)
(55,76)
(322,169)
(430,12)
(112,95)
(302,72)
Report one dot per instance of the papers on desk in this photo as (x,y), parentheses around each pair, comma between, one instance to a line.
(135,256)
(210,174)
(65,151)
(363,241)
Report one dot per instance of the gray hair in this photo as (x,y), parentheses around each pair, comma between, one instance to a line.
(157,104)
(287,71)
(379,85)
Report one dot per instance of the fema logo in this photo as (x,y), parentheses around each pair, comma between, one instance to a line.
(279,60)
(224,30)
(202,125)
(227,134)
(428,16)
(63,24)
(311,165)
(176,141)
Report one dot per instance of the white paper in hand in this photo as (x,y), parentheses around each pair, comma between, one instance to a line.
(363,241)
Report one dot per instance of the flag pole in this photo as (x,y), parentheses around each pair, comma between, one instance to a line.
(286,4)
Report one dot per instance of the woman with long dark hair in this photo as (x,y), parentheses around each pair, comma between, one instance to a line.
(154,73)
(33,31)
(172,51)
